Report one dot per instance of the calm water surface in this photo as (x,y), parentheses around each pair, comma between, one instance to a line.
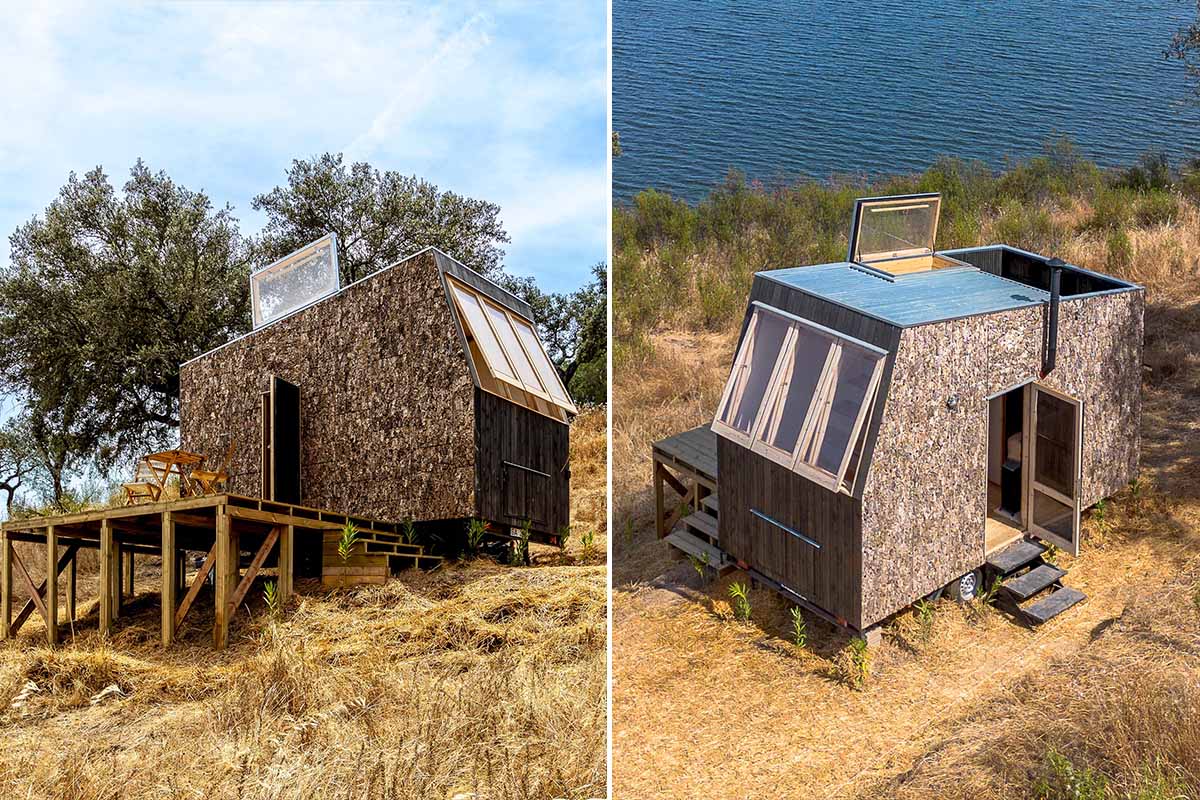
(783,90)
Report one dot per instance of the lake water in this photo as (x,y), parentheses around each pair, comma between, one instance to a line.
(782,90)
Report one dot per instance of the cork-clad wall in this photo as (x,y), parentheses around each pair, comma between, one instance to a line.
(924,496)
(387,399)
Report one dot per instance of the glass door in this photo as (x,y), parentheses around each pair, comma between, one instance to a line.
(1054,458)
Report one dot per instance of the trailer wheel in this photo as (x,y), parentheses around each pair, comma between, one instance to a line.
(966,588)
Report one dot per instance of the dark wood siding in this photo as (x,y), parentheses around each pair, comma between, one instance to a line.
(521,465)
(829,577)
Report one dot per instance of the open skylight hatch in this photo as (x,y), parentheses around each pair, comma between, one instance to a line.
(897,234)
(294,281)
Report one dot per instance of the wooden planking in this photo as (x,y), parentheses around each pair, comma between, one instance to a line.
(695,449)
(169,578)
(829,577)
(508,494)
(225,564)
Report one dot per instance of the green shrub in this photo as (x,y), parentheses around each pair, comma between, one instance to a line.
(1065,781)
(1151,172)
(799,628)
(1157,207)
(853,665)
(476,531)
(1120,252)
(1027,227)
(347,540)
(1112,209)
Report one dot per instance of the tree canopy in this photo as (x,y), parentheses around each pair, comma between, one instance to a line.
(106,295)
(379,218)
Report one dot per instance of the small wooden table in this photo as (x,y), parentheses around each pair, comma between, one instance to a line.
(168,462)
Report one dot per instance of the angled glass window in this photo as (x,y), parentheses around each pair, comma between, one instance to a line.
(481,332)
(508,356)
(294,281)
(799,394)
(541,361)
(894,227)
(753,370)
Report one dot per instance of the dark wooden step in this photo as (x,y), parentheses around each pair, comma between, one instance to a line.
(1009,559)
(376,546)
(402,560)
(1052,605)
(1030,583)
(697,547)
(703,522)
(711,504)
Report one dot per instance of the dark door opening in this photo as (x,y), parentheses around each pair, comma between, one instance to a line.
(1005,468)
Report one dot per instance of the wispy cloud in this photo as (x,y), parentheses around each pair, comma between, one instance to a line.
(504,102)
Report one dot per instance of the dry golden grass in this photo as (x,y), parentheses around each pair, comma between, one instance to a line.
(965,705)
(474,680)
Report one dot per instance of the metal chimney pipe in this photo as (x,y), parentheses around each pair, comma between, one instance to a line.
(1056,267)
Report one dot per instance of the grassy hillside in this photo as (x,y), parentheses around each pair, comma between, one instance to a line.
(1100,704)
(474,680)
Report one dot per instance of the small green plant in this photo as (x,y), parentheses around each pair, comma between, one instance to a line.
(348,539)
(271,596)
(564,536)
(989,592)
(857,664)
(1051,555)
(740,597)
(476,531)
(628,532)
(1196,596)
(587,545)
(700,565)
(799,628)
(1135,487)
(520,551)
(1066,781)
(924,611)
(408,532)
(1099,510)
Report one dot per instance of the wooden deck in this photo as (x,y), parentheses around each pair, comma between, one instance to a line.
(687,463)
(222,526)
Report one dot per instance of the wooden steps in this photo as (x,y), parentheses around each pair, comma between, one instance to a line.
(1051,605)
(1028,584)
(1020,553)
(701,522)
(711,504)
(1031,589)
(698,548)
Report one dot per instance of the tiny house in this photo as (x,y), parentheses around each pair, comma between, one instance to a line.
(912,421)
(421,392)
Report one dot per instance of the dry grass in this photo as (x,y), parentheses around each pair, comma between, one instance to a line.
(474,680)
(962,705)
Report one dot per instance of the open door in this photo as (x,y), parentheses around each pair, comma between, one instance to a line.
(281,439)
(1055,446)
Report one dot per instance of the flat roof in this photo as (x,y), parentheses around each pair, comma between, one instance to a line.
(911,299)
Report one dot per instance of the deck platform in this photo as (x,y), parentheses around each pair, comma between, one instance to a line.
(687,463)
(229,529)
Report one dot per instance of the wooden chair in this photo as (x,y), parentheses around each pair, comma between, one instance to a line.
(144,487)
(213,482)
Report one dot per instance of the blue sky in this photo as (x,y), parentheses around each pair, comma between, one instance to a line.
(505,102)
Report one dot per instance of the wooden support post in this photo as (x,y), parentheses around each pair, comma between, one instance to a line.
(197,582)
(244,586)
(37,592)
(659,501)
(106,577)
(170,562)
(51,585)
(118,580)
(5,584)
(224,573)
(129,574)
(286,543)
(72,579)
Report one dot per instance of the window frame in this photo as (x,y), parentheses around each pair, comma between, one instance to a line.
(895,202)
(812,431)
(536,397)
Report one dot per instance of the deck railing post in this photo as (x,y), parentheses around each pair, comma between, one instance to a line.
(51,585)
(659,501)
(5,584)
(106,577)
(170,563)
(118,580)
(129,574)
(223,587)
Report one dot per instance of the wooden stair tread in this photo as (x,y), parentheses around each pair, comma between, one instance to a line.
(702,521)
(695,546)
(1030,583)
(1016,555)
(711,504)
(1052,605)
